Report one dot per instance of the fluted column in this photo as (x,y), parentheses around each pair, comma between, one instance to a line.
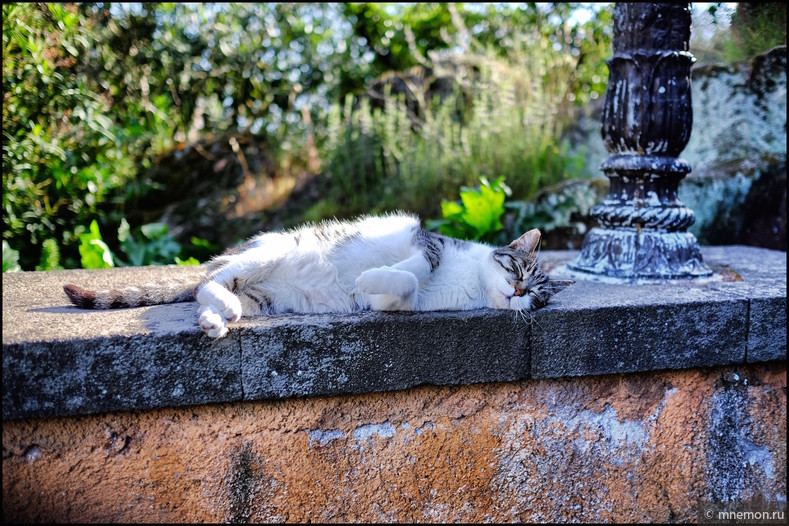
(647,120)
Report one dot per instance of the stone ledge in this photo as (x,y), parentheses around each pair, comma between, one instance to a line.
(59,360)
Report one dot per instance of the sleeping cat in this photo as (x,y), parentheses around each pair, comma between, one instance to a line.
(381,263)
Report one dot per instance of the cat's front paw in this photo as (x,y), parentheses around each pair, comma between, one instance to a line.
(220,298)
(212,321)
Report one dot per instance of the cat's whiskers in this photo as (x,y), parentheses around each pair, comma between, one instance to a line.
(527,317)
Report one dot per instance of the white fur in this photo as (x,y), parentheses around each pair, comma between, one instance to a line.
(380,268)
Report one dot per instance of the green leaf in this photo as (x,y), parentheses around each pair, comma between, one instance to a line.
(152,245)
(188,262)
(451,209)
(123,230)
(10,258)
(93,251)
(477,214)
(154,231)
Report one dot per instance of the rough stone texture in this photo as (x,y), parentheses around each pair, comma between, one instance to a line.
(667,324)
(739,110)
(103,374)
(647,447)
(372,351)
(596,339)
(59,360)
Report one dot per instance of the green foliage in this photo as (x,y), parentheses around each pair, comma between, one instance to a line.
(93,251)
(740,32)
(191,262)
(198,250)
(756,27)
(485,213)
(10,258)
(507,122)
(63,155)
(559,206)
(152,245)
(93,92)
(477,215)
(50,256)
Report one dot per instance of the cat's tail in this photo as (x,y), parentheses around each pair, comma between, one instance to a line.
(171,290)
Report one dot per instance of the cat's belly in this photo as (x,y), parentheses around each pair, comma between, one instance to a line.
(436,297)
(310,288)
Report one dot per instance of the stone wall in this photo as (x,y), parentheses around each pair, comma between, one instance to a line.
(651,447)
(652,401)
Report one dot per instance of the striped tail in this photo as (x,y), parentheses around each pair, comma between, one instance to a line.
(154,293)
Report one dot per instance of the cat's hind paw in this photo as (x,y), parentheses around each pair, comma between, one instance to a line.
(212,321)
(386,280)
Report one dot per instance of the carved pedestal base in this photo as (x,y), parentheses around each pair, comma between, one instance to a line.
(644,254)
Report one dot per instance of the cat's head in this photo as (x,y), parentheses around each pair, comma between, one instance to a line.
(518,283)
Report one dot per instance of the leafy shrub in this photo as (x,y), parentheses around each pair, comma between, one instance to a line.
(508,123)
(559,206)
(750,28)
(10,259)
(64,155)
(94,91)
(93,251)
(477,215)
(150,244)
(484,212)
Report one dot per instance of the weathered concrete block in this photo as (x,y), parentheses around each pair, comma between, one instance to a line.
(608,337)
(319,355)
(118,373)
(59,360)
(767,332)
(761,278)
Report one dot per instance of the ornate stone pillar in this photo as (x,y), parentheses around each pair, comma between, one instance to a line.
(647,121)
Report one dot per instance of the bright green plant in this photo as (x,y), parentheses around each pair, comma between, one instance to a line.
(478,213)
(93,251)
(10,258)
(198,250)
(483,212)
(150,244)
(190,262)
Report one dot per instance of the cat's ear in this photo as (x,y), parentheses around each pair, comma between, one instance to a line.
(558,285)
(528,242)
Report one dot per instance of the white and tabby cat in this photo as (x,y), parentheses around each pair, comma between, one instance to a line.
(379,263)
